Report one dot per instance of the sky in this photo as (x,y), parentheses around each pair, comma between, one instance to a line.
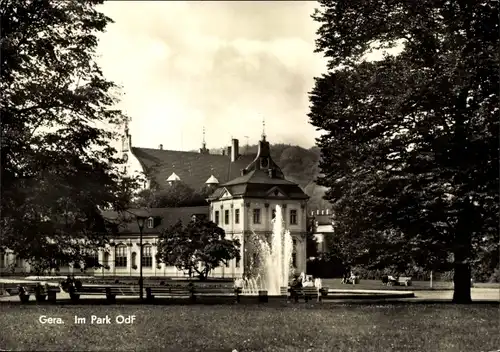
(221,65)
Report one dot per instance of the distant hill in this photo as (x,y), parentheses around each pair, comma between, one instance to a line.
(300,165)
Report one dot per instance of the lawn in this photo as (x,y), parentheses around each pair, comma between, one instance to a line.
(246,327)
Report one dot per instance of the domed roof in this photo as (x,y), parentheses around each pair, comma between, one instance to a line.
(212,180)
(173,177)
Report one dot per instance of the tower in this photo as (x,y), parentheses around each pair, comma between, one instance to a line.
(203,149)
(244,206)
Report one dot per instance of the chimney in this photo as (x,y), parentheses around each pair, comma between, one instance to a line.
(234,150)
(228,151)
(161,147)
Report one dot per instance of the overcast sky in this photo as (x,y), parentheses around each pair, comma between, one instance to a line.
(222,65)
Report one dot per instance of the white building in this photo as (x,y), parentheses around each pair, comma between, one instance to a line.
(252,186)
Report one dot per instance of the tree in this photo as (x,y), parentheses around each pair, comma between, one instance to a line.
(411,144)
(200,247)
(58,168)
(178,194)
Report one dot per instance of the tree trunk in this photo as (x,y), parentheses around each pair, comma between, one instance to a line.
(462,254)
(202,276)
(461,280)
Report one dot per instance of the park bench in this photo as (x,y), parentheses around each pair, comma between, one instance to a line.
(167,291)
(404,281)
(190,291)
(110,291)
(217,291)
(41,292)
(400,281)
(308,293)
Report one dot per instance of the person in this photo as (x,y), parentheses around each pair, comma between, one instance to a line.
(354,278)
(295,285)
(385,279)
(345,279)
(308,282)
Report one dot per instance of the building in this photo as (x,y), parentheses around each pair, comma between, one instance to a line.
(245,206)
(247,189)
(322,222)
(196,169)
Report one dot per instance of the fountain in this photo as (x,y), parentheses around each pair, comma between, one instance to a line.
(275,261)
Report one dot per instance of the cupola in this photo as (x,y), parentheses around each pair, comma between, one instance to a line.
(172,178)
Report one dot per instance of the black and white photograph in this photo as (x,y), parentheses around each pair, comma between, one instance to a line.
(250,175)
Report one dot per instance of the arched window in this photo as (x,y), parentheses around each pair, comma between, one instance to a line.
(150,223)
(147,256)
(121,256)
(134,258)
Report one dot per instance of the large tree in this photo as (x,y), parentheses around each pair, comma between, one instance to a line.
(198,247)
(178,194)
(410,153)
(58,119)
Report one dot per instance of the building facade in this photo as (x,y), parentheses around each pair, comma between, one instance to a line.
(322,227)
(246,191)
(245,206)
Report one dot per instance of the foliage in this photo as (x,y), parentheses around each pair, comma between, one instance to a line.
(198,247)
(58,169)
(411,144)
(178,194)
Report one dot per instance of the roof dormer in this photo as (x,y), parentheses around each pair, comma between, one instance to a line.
(212,180)
(264,162)
(172,178)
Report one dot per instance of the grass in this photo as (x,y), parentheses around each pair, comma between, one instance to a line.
(271,327)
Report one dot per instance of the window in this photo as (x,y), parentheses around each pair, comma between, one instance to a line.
(19,262)
(294,259)
(92,261)
(274,214)
(151,223)
(236,216)
(256,216)
(226,217)
(238,263)
(105,259)
(216,217)
(134,259)
(293,217)
(147,258)
(121,256)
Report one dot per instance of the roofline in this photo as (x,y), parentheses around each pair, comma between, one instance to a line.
(306,197)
